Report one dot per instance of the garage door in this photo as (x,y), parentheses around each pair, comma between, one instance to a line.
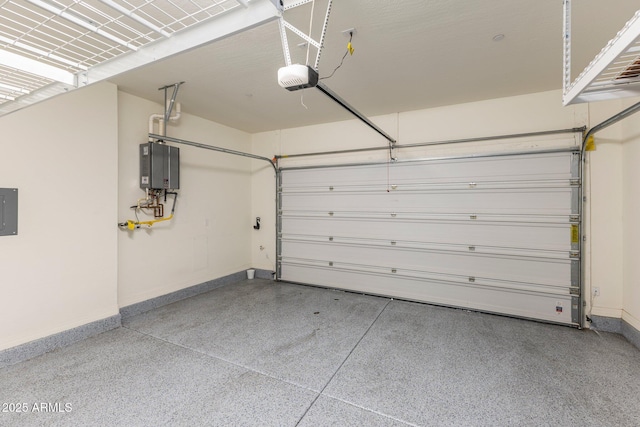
(495,233)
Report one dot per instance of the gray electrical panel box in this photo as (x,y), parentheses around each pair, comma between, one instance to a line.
(8,211)
(159,166)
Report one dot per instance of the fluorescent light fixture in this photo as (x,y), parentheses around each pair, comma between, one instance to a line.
(32,66)
(7,97)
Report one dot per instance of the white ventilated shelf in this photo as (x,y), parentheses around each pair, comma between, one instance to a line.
(613,73)
(75,35)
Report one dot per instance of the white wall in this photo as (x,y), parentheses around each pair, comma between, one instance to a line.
(603,182)
(60,271)
(527,113)
(210,234)
(631,213)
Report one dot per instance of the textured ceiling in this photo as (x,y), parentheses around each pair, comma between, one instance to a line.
(409,55)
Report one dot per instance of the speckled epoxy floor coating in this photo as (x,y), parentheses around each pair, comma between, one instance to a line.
(260,353)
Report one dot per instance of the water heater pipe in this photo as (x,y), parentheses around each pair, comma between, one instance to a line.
(161,122)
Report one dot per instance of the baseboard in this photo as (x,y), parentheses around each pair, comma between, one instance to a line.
(631,334)
(265,274)
(618,326)
(34,348)
(150,304)
(606,324)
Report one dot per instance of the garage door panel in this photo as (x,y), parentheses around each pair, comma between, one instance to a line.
(399,217)
(312,266)
(388,186)
(547,166)
(542,167)
(535,305)
(551,237)
(553,201)
(544,271)
(499,234)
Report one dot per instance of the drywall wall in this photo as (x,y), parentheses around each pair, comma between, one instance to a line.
(631,213)
(527,113)
(60,271)
(603,182)
(210,234)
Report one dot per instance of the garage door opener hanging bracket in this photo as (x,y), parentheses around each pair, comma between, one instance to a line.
(296,76)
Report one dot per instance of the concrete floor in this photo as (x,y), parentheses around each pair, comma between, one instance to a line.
(260,353)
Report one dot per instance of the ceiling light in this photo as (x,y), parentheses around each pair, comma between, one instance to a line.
(498,37)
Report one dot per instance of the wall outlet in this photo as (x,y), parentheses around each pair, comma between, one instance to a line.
(596,291)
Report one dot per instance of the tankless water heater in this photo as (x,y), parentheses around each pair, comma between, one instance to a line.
(159,166)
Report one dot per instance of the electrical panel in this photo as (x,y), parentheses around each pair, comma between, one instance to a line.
(8,211)
(159,166)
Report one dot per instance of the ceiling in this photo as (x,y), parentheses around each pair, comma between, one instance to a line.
(409,54)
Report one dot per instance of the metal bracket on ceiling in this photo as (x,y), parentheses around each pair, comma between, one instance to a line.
(566,33)
(168,106)
(284,26)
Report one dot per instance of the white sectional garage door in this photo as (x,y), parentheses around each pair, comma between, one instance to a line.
(494,233)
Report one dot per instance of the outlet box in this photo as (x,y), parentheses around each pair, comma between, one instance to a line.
(349,32)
